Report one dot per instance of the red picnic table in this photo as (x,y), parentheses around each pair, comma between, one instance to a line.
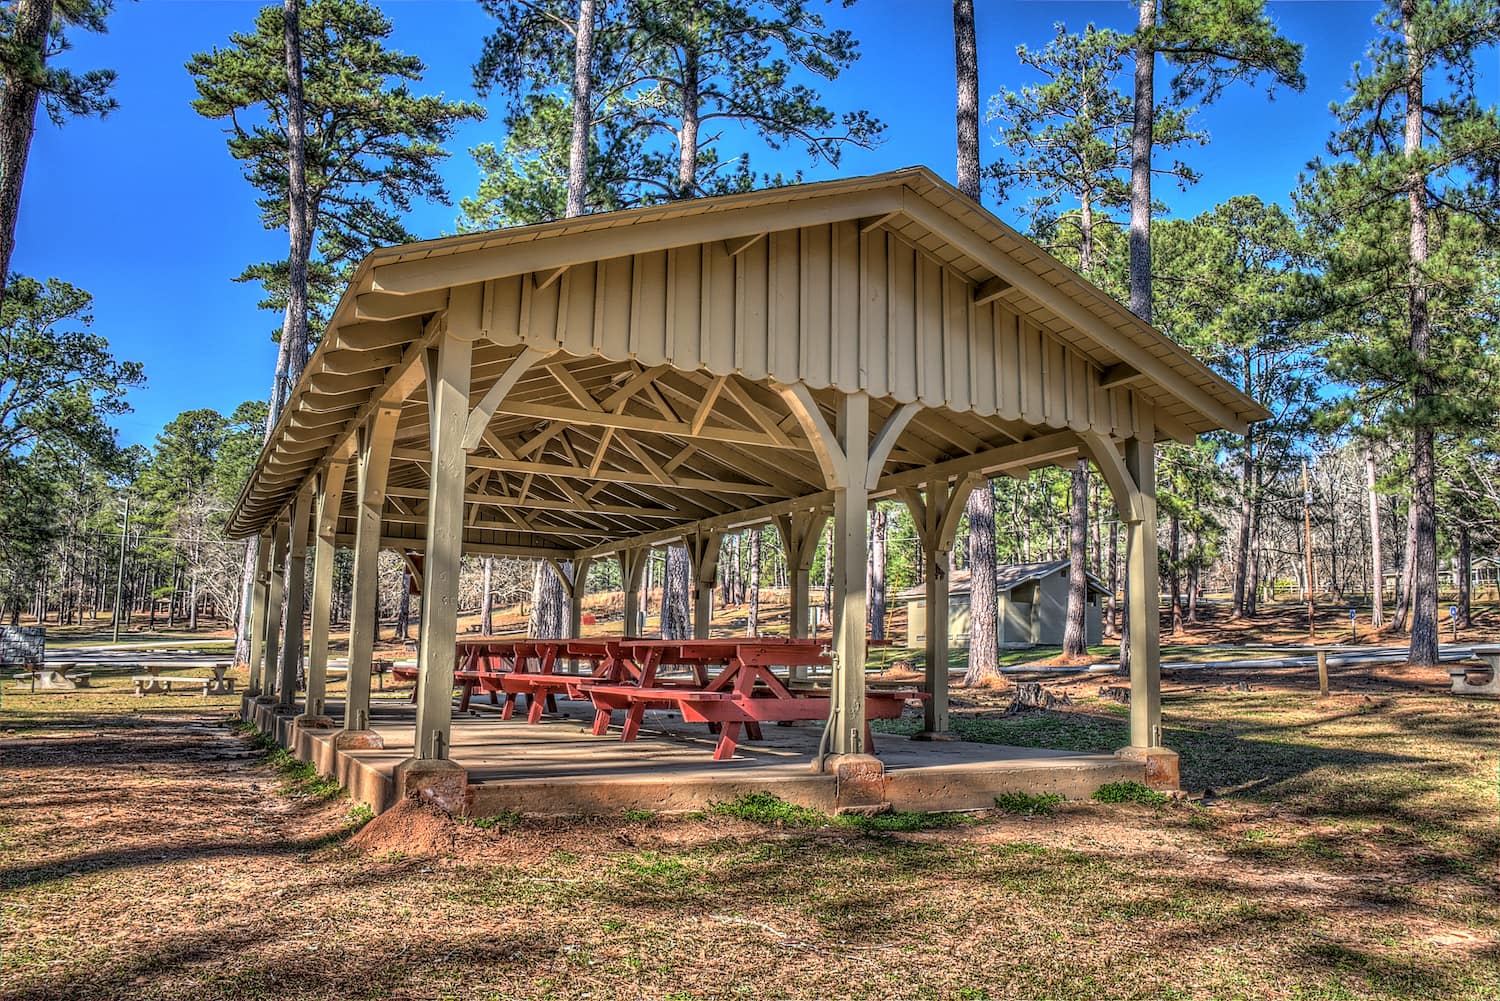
(528,667)
(742,693)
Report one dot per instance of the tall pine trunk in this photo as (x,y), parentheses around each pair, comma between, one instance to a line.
(1174,569)
(1424,626)
(1405,583)
(1075,634)
(1140,162)
(676,610)
(583,112)
(294,326)
(28,48)
(984,639)
(1465,571)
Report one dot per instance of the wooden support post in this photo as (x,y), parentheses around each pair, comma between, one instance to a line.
(851,501)
(277,570)
(1322,672)
(260,585)
(1145,598)
(703,558)
(577,588)
(799,540)
(1133,483)
(296,599)
(936,516)
(448,369)
(330,495)
(632,565)
(373,451)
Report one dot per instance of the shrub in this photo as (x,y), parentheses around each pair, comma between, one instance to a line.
(1028,804)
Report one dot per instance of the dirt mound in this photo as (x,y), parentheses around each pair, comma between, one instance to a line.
(410,827)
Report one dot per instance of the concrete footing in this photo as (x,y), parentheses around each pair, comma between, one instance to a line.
(443,783)
(1162,767)
(358,740)
(309,722)
(940,736)
(858,783)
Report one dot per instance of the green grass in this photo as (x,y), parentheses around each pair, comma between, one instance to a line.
(1028,804)
(1129,792)
(765,808)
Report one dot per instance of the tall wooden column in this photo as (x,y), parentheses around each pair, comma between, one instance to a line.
(935,514)
(851,501)
(276,568)
(1133,483)
(703,559)
(296,603)
(448,367)
(1144,598)
(575,584)
(632,565)
(330,496)
(260,585)
(799,539)
(374,458)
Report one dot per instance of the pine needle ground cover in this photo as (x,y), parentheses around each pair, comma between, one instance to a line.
(1334,848)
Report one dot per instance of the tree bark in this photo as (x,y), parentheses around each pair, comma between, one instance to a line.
(1406,582)
(294,326)
(583,111)
(1075,634)
(403,606)
(1465,568)
(1174,569)
(1140,162)
(966,64)
(1424,626)
(676,611)
(22,92)
(984,636)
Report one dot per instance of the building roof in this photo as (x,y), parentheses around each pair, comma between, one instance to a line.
(635,362)
(1007,578)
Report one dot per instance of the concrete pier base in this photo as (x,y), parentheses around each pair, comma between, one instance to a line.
(437,781)
(1162,767)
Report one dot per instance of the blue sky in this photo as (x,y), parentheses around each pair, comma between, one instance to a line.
(146,209)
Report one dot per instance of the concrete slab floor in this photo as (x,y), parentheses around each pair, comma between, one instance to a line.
(557,767)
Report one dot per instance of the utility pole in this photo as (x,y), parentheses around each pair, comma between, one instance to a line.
(120,572)
(1312,629)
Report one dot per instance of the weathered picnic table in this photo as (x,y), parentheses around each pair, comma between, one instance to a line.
(54,677)
(153,683)
(1459,674)
(524,667)
(730,685)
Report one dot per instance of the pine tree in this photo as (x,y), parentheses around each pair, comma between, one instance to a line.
(1400,220)
(32,34)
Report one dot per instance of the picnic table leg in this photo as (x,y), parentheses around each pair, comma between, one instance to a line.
(551,702)
(510,706)
(534,710)
(752,730)
(601,722)
(466,690)
(633,717)
(728,737)
(869,739)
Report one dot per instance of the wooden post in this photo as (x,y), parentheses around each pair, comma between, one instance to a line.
(577,587)
(260,585)
(277,569)
(373,449)
(851,501)
(703,559)
(632,563)
(296,599)
(1145,598)
(1322,672)
(448,371)
(799,540)
(330,496)
(936,516)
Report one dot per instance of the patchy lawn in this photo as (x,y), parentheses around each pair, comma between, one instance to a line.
(1335,848)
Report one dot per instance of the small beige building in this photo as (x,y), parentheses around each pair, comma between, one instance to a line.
(1033,606)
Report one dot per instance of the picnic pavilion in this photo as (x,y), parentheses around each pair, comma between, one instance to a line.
(588,388)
